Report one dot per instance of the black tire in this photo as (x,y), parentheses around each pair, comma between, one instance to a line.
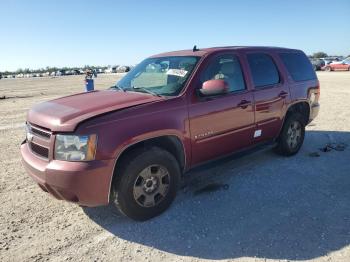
(328,69)
(288,145)
(130,180)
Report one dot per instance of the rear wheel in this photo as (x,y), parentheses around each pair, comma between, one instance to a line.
(292,135)
(148,183)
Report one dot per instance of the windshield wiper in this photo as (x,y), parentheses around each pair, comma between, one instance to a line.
(147,91)
(117,87)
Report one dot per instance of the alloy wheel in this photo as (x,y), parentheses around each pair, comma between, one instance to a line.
(151,185)
(294,134)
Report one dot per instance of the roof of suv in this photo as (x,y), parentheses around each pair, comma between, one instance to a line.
(205,51)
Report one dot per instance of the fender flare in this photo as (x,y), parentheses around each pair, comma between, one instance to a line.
(287,109)
(125,146)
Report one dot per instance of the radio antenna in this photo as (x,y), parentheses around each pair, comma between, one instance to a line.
(195,48)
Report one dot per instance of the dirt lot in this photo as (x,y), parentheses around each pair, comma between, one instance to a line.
(257,207)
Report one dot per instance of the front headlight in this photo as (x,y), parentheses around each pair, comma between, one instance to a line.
(75,148)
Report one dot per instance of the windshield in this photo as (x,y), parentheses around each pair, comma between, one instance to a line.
(164,76)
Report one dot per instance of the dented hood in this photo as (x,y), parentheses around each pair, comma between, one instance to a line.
(65,113)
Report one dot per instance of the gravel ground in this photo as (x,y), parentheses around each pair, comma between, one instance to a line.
(254,208)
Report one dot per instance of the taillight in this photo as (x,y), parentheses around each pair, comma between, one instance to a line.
(314,93)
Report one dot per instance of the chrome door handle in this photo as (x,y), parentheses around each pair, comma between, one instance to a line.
(283,94)
(244,104)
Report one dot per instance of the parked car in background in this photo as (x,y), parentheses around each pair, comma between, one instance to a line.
(61,73)
(317,64)
(332,59)
(111,69)
(326,60)
(338,66)
(123,69)
(99,70)
(131,144)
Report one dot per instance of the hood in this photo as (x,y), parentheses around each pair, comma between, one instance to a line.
(65,113)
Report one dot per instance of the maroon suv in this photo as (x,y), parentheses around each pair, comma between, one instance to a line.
(132,143)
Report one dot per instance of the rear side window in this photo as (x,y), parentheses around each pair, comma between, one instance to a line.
(298,66)
(264,70)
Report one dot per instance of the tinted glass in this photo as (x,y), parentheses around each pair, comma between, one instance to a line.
(298,66)
(263,69)
(227,68)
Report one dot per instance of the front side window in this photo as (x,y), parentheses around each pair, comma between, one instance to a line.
(161,75)
(227,68)
(263,69)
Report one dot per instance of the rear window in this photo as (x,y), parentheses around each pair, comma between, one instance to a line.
(263,69)
(298,66)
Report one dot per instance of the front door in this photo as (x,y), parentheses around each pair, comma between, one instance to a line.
(223,124)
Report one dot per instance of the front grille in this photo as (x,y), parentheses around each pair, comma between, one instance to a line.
(38,139)
(39,132)
(39,150)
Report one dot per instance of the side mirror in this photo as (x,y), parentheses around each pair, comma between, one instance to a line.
(214,88)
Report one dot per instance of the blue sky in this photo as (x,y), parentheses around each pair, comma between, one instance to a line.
(37,33)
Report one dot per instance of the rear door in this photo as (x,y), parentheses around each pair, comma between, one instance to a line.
(222,124)
(270,92)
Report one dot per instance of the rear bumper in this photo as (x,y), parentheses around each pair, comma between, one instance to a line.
(315,108)
(84,183)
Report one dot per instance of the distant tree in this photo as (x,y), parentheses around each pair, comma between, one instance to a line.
(319,55)
(53,69)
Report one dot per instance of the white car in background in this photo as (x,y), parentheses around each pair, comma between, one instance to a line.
(112,69)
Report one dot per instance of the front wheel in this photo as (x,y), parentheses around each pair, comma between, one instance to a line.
(292,135)
(147,184)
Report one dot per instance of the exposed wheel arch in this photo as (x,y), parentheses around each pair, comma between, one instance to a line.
(170,143)
(302,107)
